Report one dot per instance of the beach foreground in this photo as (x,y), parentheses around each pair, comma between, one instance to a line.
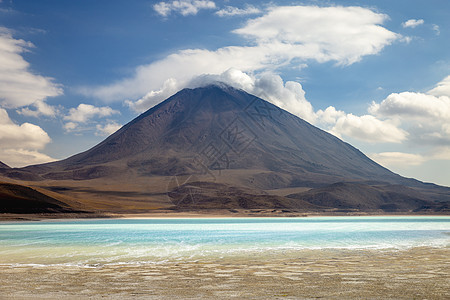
(416,273)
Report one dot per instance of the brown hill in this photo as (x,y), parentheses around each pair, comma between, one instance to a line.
(15,198)
(232,147)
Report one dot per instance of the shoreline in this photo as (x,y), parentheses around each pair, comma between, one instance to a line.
(205,214)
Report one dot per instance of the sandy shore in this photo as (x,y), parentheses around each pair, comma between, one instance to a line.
(419,273)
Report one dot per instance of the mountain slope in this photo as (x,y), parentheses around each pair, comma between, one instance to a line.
(364,197)
(239,144)
(223,128)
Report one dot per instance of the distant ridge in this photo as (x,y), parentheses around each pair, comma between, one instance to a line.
(4,166)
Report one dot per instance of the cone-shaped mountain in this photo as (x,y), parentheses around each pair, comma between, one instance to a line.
(226,143)
(219,127)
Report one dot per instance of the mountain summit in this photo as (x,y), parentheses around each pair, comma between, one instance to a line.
(220,128)
(225,144)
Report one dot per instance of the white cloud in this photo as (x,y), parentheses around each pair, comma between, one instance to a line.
(369,129)
(412,23)
(342,34)
(330,115)
(152,98)
(80,118)
(269,86)
(395,159)
(415,106)
(70,126)
(230,11)
(27,135)
(436,29)
(426,117)
(284,36)
(413,117)
(183,7)
(85,112)
(41,109)
(442,88)
(107,129)
(407,160)
(19,86)
(22,157)
(232,76)
(289,96)
(20,144)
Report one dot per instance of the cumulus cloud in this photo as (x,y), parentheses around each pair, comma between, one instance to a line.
(21,157)
(285,36)
(231,11)
(107,129)
(442,88)
(402,117)
(269,86)
(40,109)
(425,116)
(397,160)
(330,115)
(412,23)
(369,129)
(19,86)
(183,7)
(412,105)
(70,126)
(84,114)
(152,98)
(289,96)
(20,144)
(342,34)
(394,159)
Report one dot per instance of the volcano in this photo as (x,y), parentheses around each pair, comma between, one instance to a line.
(220,147)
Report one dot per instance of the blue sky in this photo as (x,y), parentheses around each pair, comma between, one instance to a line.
(374,73)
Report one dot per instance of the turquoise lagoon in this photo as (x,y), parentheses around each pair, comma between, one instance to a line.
(139,241)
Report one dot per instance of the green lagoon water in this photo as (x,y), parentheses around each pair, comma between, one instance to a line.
(136,241)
